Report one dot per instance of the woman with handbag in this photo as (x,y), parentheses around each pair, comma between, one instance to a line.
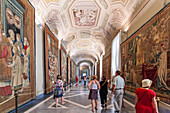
(145,101)
(59,90)
(93,86)
(104,91)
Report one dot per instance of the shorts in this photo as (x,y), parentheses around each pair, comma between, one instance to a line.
(58,93)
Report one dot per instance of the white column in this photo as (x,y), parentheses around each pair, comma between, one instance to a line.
(95,68)
(78,71)
(90,70)
(101,66)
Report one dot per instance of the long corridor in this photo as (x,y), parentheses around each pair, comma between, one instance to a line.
(76,101)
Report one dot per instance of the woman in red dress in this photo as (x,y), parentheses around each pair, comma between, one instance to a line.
(145,101)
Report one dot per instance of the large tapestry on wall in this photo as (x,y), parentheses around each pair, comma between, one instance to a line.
(69,69)
(51,58)
(145,55)
(107,67)
(73,66)
(17,71)
(74,71)
(63,65)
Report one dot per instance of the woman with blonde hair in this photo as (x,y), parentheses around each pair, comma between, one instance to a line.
(145,101)
(93,86)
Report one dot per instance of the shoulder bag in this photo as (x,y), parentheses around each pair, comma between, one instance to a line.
(140,98)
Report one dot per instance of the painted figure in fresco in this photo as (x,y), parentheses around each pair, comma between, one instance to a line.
(5,58)
(84,17)
(162,69)
(17,22)
(133,76)
(16,69)
(11,37)
(52,70)
(9,16)
(64,66)
(19,44)
(26,46)
(5,53)
(25,70)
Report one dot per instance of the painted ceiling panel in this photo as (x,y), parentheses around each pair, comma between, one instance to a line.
(85,27)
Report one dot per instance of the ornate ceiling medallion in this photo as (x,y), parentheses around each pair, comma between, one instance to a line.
(84,13)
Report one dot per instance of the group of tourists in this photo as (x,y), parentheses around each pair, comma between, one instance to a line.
(145,98)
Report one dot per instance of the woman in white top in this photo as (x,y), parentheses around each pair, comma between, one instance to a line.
(93,86)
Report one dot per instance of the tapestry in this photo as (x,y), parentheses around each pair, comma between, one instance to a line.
(17,62)
(107,67)
(145,54)
(73,66)
(52,64)
(64,65)
(69,69)
(74,71)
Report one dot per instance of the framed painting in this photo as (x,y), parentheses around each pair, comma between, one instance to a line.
(51,56)
(64,65)
(145,55)
(17,58)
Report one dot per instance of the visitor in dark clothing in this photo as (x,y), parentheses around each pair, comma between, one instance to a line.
(104,91)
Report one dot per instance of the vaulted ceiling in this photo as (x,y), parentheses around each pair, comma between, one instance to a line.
(85,27)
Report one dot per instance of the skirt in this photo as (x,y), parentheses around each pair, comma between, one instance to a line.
(94,94)
(58,93)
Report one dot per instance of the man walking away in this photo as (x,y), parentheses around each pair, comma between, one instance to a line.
(118,85)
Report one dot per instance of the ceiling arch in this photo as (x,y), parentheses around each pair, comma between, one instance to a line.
(85,27)
(84,62)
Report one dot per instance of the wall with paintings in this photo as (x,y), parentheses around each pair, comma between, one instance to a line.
(17,62)
(63,64)
(148,12)
(40,71)
(51,53)
(145,55)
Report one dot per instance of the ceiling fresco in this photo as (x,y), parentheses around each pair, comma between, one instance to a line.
(85,27)
(84,14)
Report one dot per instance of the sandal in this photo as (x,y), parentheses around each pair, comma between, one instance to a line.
(102,106)
(92,110)
(105,105)
(57,106)
(63,104)
(95,108)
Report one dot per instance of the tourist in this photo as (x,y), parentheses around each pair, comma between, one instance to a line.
(118,86)
(59,90)
(93,86)
(104,91)
(145,101)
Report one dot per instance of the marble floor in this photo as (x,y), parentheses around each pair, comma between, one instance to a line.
(76,102)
